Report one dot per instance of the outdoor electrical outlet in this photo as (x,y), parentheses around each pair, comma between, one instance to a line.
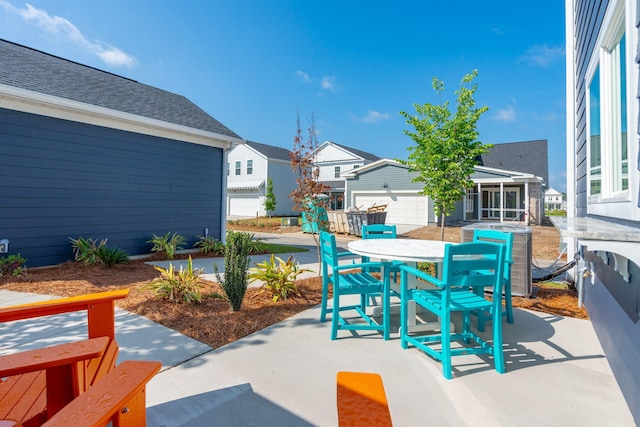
(4,246)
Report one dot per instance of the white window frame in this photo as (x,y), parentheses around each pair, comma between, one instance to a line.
(238,167)
(336,171)
(611,202)
(249,166)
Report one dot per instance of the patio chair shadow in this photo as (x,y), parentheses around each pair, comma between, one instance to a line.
(235,405)
(528,342)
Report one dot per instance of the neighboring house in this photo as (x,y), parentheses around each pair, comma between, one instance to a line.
(521,183)
(89,153)
(603,214)
(387,182)
(249,166)
(506,195)
(332,160)
(553,200)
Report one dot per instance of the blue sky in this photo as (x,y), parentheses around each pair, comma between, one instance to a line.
(252,64)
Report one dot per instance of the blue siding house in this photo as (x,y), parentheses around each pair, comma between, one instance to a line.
(603,180)
(93,154)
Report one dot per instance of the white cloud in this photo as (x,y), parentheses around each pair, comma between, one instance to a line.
(62,27)
(506,114)
(375,117)
(543,55)
(372,116)
(304,77)
(328,83)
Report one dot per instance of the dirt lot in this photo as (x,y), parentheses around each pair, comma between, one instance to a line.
(214,324)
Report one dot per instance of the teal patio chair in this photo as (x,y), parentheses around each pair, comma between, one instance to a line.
(465,265)
(382,231)
(351,279)
(506,239)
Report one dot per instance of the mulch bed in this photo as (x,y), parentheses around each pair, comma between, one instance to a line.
(212,322)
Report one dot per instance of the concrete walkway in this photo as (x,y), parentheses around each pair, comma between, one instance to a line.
(285,375)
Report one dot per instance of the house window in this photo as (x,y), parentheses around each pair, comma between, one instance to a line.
(608,162)
(228,167)
(238,167)
(336,172)
(249,167)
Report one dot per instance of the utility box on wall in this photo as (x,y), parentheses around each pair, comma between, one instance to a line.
(4,246)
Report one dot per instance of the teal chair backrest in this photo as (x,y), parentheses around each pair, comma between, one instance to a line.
(328,251)
(473,264)
(502,237)
(379,231)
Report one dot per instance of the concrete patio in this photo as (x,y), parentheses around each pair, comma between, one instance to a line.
(285,375)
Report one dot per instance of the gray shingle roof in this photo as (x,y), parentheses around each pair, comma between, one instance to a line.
(30,69)
(528,157)
(363,154)
(270,151)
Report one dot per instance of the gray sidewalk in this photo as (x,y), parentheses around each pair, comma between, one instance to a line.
(285,375)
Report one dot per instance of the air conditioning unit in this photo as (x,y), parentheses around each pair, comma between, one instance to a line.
(289,221)
(4,246)
(522,253)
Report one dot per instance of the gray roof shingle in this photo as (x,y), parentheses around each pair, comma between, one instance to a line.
(31,69)
(270,151)
(527,157)
(363,154)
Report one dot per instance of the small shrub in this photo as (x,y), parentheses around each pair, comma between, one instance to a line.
(209,245)
(178,286)
(278,278)
(167,245)
(86,250)
(236,264)
(12,265)
(256,246)
(111,256)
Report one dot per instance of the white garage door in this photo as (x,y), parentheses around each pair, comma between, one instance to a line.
(407,209)
(246,205)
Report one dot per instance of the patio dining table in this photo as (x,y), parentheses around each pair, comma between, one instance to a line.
(410,251)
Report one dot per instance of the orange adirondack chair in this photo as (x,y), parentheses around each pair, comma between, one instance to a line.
(40,383)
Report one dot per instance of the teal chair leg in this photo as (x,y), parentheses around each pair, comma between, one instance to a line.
(403,310)
(386,312)
(507,300)
(335,317)
(445,330)
(498,354)
(325,297)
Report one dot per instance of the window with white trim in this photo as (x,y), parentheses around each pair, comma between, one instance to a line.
(238,167)
(336,172)
(608,164)
(249,167)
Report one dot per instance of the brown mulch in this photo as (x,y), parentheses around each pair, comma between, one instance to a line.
(213,323)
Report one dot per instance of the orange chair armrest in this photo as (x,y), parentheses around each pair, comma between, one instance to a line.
(124,387)
(52,357)
(59,306)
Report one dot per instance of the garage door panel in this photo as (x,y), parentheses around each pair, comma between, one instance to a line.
(244,205)
(401,209)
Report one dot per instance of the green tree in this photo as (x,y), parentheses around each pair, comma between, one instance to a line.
(446,146)
(270,198)
(307,196)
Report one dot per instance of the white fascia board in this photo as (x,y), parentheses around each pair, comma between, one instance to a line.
(503,172)
(354,172)
(52,106)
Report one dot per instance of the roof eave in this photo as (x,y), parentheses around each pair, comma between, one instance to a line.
(52,106)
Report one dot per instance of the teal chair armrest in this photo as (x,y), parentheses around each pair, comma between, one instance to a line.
(363,265)
(408,269)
